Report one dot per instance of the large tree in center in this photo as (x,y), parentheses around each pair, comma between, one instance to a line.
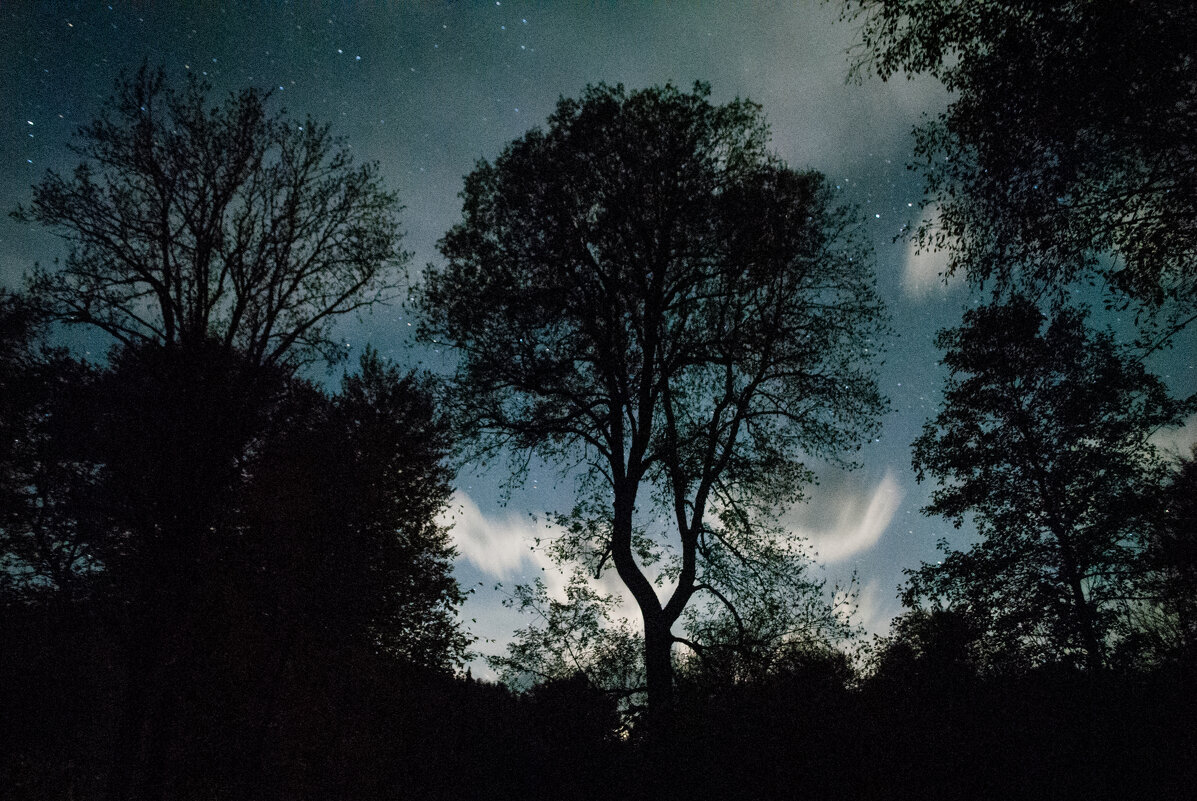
(643,291)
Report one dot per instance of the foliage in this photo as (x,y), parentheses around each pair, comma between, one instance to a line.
(576,635)
(47,463)
(930,649)
(644,292)
(216,535)
(763,613)
(1070,135)
(1170,568)
(323,505)
(189,222)
(1043,438)
(341,510)
(227,534)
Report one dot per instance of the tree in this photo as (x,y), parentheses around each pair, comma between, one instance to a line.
(341,512)
(756,624)
(344,579)
(1043,438)
(1068,149)
(246,530)
(253,535)
(47,463)
(176,427)
(578,636)
(1171,561)
(644,292)
(930,651)
(189,222)
(782,620)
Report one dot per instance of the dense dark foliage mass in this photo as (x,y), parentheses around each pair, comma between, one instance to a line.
(207,560)
(1044,440)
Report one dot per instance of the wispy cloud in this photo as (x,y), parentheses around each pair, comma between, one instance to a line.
(858,523)
(504,547)
(841,521)
(875,610)
(501,547)
(923,269)
(1177,442)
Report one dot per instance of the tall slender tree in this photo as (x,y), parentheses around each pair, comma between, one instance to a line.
(1043,439)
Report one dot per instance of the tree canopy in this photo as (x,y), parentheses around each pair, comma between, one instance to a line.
(644,291)
(213,535)
(189,221)
(47,462)
(1044,440)
(1068,148)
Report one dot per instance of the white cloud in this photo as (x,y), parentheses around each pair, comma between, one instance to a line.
(841,522)
(499,547)
(1177,442)
(504,548)
(922,271)
(875,609)
(859,523)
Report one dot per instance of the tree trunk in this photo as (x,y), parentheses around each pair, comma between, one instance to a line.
(658,664)
(658,639)
(1094,653)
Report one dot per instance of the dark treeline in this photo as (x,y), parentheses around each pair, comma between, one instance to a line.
(207,567)
(222,579)
(924,725)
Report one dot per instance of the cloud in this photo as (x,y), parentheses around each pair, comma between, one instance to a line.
(842,520)
(858,523)
(1177,442)
(499,547)
(875,610)
(923,269)
(504,548)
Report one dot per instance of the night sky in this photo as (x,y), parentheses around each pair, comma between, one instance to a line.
(428,89)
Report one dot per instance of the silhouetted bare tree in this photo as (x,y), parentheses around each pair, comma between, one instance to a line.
(189,222)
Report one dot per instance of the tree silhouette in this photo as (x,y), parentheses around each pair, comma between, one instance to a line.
(341,508)
(233,533)
(47,463)
(1043,438)
(176,426)
(1070,135)
(241,521)
(189,222)
(576,638)
(644,292)
(930,650)
(1171,560)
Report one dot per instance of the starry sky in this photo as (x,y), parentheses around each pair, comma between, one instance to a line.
(427,89)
